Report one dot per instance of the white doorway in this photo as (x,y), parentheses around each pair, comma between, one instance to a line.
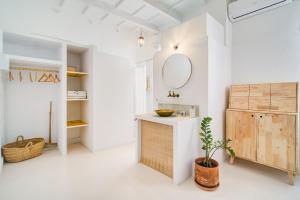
(144,87)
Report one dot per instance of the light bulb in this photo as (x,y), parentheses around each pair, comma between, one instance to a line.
(141,40)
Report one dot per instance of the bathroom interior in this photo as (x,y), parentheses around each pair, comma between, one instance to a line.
(149,99)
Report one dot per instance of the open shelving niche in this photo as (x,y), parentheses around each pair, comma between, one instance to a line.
(78,110)
(29,50)
(38,52)
(31,115)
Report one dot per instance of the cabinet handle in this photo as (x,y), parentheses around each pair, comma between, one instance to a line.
(252,115)
(260,116)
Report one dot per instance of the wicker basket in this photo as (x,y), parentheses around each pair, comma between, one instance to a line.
(23,149)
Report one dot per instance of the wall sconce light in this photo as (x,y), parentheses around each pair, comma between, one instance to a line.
(174,46)
(141,40)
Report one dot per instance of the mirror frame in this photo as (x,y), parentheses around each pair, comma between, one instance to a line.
(162,71)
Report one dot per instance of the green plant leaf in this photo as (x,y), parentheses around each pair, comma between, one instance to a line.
(209,145)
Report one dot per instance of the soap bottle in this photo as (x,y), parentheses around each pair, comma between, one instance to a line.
(192,111)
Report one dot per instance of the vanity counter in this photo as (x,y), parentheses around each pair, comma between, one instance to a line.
(173,120)
(168,144)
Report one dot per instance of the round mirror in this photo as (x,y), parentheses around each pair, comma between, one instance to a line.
(177,71)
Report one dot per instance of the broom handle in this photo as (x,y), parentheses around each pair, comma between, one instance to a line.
(50,122)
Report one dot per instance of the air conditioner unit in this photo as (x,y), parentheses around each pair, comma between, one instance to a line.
(242,9)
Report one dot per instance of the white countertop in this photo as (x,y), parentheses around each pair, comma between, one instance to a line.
(173,120)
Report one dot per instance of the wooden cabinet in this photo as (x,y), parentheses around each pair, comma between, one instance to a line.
(278,97)
(265,138)
(266,131)
(241,130)
(276,136)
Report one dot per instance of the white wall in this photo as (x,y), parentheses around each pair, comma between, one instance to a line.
(144,86)
(140,89)
(202,40)
(215,8)
(192,39)
(2,121)
(28,107)
(266,47)
(219,81)
(113,90)
(151,46)
(35,16)
(116,75)
(149,92)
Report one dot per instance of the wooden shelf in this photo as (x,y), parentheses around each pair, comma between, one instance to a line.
(76,74)
(76,124)
(77,99)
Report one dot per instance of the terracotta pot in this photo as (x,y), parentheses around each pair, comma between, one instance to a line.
(207,177)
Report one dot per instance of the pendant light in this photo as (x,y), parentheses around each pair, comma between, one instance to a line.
(141,40)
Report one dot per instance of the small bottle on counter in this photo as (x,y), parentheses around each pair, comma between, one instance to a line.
(192,111)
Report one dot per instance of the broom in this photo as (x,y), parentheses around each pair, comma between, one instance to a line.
(50,145)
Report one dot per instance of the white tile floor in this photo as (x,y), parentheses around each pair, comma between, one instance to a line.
(112,174)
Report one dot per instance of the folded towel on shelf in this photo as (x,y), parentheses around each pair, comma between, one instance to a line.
(77,94)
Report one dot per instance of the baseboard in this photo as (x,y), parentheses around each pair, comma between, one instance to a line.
(74,140)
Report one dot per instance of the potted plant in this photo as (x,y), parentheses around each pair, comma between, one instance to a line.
(206,168)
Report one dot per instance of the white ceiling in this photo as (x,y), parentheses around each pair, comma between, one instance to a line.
(146,15)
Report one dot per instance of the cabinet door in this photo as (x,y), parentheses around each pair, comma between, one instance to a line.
(259,98)
(240,128)
(276,140)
